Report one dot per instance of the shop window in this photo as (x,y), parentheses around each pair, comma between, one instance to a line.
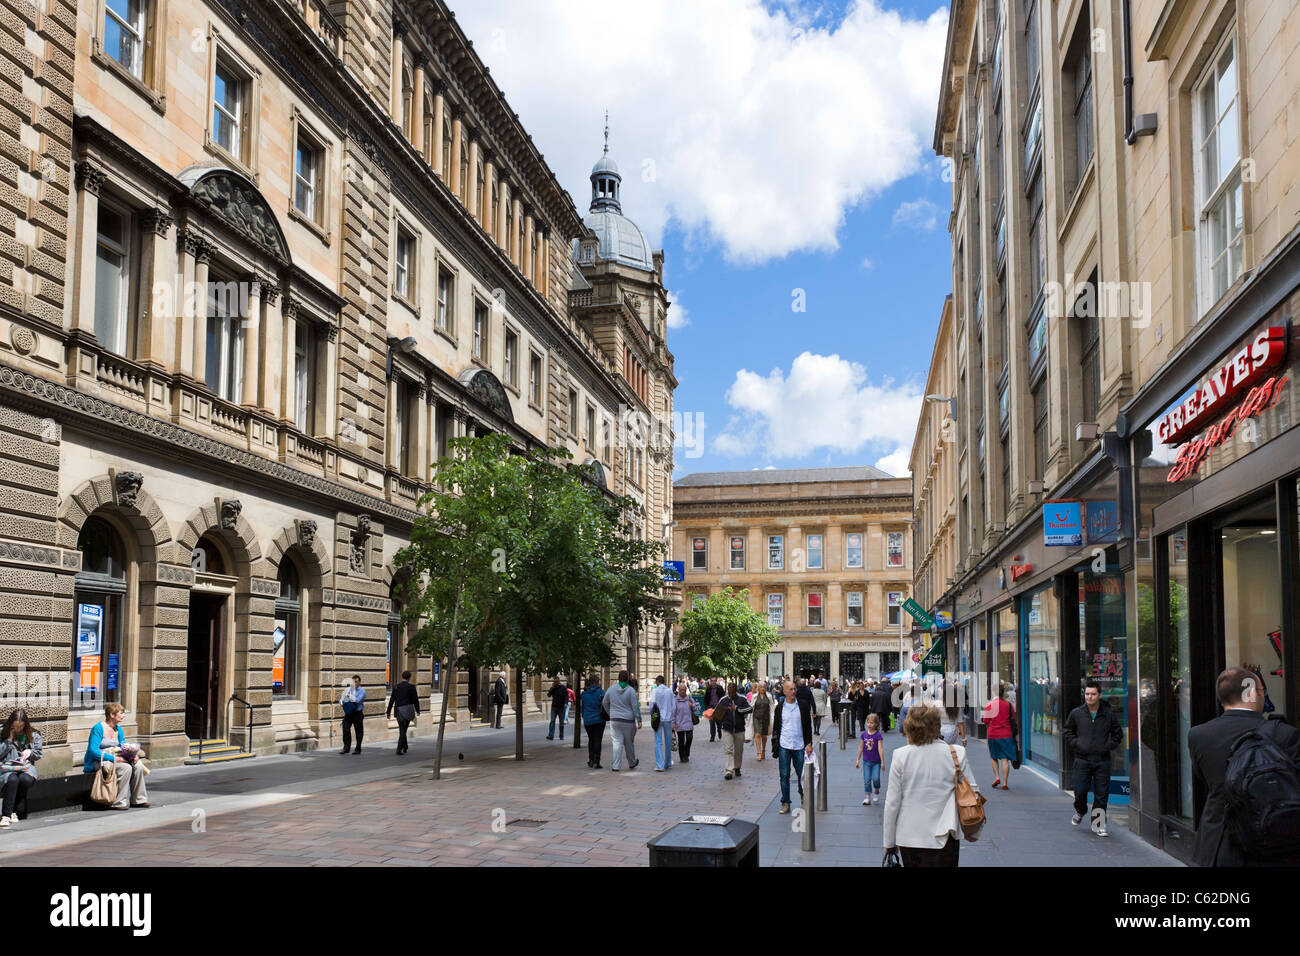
(1180,677)
(737,552)
(776,610)
(815,609)
(699,554)
(894,549)
(286,636)
(1041,694)
(775,552)
(814,542)
(853,608)
(853,550)
(99,592)
(894,608)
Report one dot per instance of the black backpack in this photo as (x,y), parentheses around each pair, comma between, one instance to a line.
(1261,793)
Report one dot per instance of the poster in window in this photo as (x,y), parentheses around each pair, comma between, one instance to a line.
(894,549)
(277,657)
(89,672)
(775,607)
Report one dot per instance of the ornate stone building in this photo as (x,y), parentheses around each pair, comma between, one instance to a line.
(934,473)
(259,262)
(825,553)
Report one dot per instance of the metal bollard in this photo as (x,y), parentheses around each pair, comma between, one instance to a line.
(844,729)
(822,780)
(806,804)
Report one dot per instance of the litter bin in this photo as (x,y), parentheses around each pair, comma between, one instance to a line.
(706,841)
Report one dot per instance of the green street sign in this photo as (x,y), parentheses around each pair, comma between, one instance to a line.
(935,660)
(918,613)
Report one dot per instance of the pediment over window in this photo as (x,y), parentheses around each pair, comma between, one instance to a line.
(597,472)
(231,198)
(487,388)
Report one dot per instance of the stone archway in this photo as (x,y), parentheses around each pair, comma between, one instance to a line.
(158,616)
(249,655)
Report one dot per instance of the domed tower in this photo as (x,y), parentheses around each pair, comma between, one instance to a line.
(618,296)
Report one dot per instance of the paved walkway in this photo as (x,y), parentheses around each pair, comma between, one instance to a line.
(322,809)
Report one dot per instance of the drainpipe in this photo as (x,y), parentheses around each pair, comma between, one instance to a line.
(1130,136)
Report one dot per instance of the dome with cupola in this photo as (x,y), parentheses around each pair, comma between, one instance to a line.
(617,238)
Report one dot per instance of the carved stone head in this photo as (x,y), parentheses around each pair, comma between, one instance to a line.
(307,533)
(127,485)
(230,510)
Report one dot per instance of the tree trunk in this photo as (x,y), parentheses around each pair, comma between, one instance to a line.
(446,691)
(519,713)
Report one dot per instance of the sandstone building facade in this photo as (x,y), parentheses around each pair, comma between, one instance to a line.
(825,553)
(258,264)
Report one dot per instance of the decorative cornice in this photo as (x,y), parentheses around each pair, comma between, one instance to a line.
(23,388)
(90,177)
(157,220)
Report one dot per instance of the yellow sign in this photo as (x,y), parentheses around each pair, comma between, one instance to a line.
(90,672)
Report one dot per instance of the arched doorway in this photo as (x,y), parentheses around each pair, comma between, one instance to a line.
(208,647)
(100,609)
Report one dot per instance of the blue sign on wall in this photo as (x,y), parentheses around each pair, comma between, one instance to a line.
(112,672)
(1103,522)
(674,570)
(1062,523)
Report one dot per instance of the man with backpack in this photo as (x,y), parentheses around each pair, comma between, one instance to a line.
(1250,768)
(1092,730)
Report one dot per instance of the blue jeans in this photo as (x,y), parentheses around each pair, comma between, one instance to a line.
(871,776)
(556,715)
(784,759)
(664,745)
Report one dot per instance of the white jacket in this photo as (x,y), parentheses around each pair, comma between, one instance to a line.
(920,802)
(663,696)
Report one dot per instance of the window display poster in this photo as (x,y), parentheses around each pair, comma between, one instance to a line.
(1036,611)
(89,672)
(90,621)
(894,549)
(277,656)
(111,680)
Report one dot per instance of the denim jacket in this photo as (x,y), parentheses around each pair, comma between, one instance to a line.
(11,751)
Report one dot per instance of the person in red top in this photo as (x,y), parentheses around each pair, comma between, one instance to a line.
(1000,717)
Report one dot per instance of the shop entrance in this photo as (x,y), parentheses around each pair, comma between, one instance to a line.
(853,666)
(472,697)
(810,663)
(203,666)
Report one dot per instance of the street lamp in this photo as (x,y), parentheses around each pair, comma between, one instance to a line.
(950,400)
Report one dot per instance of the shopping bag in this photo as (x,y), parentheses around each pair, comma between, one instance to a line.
(104,789)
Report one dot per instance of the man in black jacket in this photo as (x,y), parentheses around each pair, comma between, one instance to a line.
(1241,695)
(405,699)
(1093,731)
(559,695)
(713,693)
(500,697)
(882,703)
(791,739)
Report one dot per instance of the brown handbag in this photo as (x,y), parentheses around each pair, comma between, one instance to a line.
(970,804)
(104,789)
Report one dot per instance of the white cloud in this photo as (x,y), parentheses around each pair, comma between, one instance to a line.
(753,126)
(823,402)
(920,214)
(867,263)
(896,463)
(678,317)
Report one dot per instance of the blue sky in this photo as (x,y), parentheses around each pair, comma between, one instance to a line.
(768,148)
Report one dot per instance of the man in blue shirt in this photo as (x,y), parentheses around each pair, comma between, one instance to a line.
(353,701)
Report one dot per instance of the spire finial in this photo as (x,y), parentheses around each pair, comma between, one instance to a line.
(606,132)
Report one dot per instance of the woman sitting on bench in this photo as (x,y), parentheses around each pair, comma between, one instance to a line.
(106,743)
(20,748)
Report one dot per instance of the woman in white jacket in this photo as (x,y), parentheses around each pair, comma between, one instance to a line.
(920,802)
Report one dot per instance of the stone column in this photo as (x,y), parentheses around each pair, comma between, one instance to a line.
(271,362)
(326,395)
(439,108)
(186,306)
(518,257)
(421,426)
(393,458)
(474,201)
(288,407)
(399,31)
(543,282)
(252,322)
(501,237)
(457,144)
(202,253)
(417,103)
(489,184)
(89,180)
(528,259)
(157,333)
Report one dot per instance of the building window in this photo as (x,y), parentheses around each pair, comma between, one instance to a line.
(535,378)
(464,172)
(815,609)
(480,344)
(404,264)
(113,278)
(308,164)
(737,552)
(1040,428)
(480,189)
(511,371)
(1217,128)
(496,208)
(894,549)
(775,552)
(285,637)
(604,440)
(814,543)
(428,129)
(1006,472)
(591,427)
(304,378)
(510,230)
(445,315)
(894,608)
(853,608)
(230,109)
(853,550)
(1090,341)
(1078,69)
(446,145)
(1037,239)
(402,432)
(408,95)
(697,599)
(124,33)
(699,554)
(100,588)
(573,413)
(224,373)
(776,610)
(1032,40)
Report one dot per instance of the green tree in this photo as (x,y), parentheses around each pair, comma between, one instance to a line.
(723,636)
